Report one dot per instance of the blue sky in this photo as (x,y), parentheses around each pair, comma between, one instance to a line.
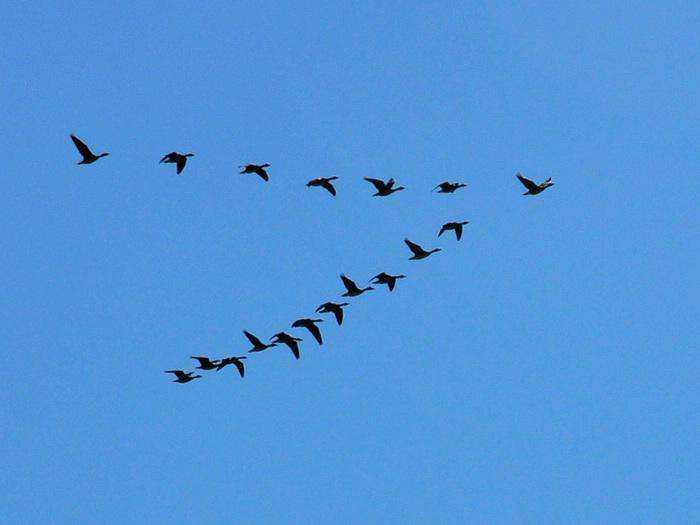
(542,370)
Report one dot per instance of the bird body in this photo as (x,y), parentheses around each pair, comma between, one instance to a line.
(258,345)
(449,187)
(333,308)
(176,158)
(237,361)
(352,288)
(418,251)
(258,169)
(323,182)
(88,156)
(385,278)
(532,187)
(310,325)
(384,189)
(456,226)
(291,342)
(182,377)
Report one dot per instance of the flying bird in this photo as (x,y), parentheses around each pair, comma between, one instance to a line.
(418,251)
(385,278)
(182,377)
(456,226)
(323,182)
(233,360)
(532,187)
(88,156)
(288,340)
(258,345)
(384,188)
(176,158)
(205,363)
(352,289)
(449,187)
(310,325)
(333,308)
(258,169)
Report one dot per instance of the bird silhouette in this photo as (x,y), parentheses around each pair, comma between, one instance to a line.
(258,345)
(237,361)
(291,342)
(258,169)
(449,187)
(456,226)
(88,156)
(182,377)
(384,189)
(205,363)
(532,187)
(323,182)
(385,278)
(310,325)
(352,289)
(176,158)
(418,251)
(333,308)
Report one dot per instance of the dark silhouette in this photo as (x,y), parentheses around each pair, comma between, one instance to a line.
(205,363)
(176,158)
(88,156)
(418,252)
(233,360)
(385,278)
(449,187)
(258,169)
(333,308)
(384,189)
(353,290)
(182,377)
(310,325)
(288,340)
(532,187)
(456,226)
(258,345)
(323,182)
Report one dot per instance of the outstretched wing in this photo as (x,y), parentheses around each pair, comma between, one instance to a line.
(294,347)
(349,284)
(82,147)
(379,184)
(262,173)
(458,231)
(327,185)
(179,373)
(417,250)
(181,161)
(338,312)
(315,332)
(443,229)
(527,182)
(254,340)
(239,366)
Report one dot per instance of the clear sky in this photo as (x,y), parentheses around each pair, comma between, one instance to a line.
(542,370)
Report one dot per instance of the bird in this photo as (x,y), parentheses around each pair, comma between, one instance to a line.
(385,278)
(182,377)
(258,345)
(205,363)
(532,187)
(233,360)
(288,340)
(333,308)
(353,290)
(456,226)
(176,158)
(419,252)
(258,169)
(384,188)
(310,325)
(88,156)
(449,187)
(323,182)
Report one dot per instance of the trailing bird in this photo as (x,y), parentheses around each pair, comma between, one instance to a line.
(323,182)
(233,360)
(88,156)
(532,187)
(449,187)
(385,278)
(384,188)
(258,345)
(176,158)
(258,169)
(456,226)
(333,308)
(205,363)
(419,252)
(288,340)
(310,325)
(182,377)
(353,290)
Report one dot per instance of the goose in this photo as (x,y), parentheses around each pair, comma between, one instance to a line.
(258,169)
(288,340)
(88,156)
(310,325)
(449,187)
(384,189)
(353,290)
(205,363)
(456,226)
(333,308)
(419,252)
(258,345)
(182,377)
(176,158)
(233,360)
(532,187)
(385,278)
(323,182)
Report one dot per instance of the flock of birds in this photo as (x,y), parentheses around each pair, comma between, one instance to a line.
(383,189)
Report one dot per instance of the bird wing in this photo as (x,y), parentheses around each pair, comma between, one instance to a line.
(327,185)
(239,365)
(322,308)
(390,183)
(442,230)
(349,284)
(294,347)
(338,312)
(417,250)
(181,161)
(202,360)
(527,182)
(254,340)
(379,184)
(315,332)
(458,231)
(391,282)
(82,147)
(262,173)
(179,373)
